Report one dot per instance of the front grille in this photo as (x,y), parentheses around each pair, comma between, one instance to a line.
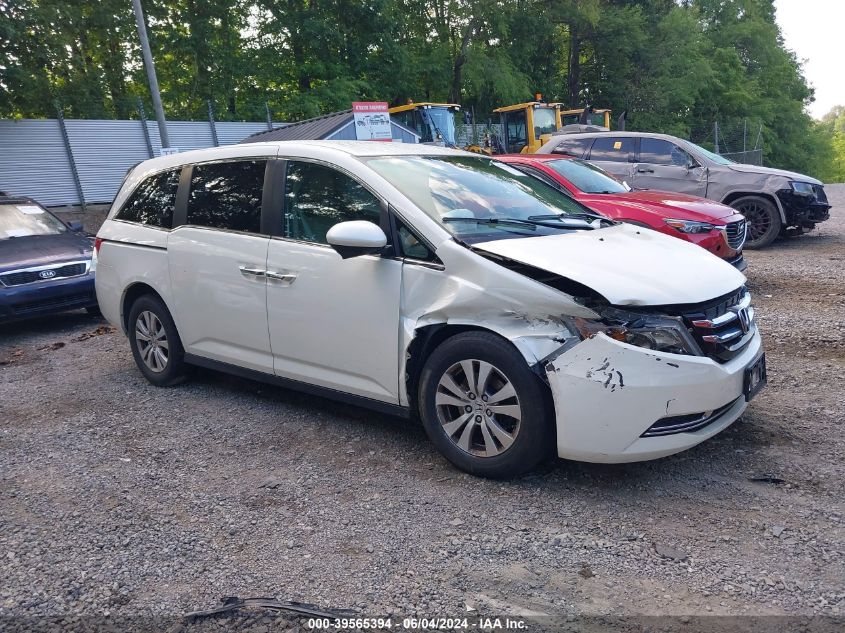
(686,423)
(821,196)
(66,301)
(735,233)
(724,329)
(31,276)
(721,327)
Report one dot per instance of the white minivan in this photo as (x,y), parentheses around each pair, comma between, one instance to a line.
(429,282)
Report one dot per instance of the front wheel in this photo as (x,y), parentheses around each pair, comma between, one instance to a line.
(155,343)
(763,220)
(483,408)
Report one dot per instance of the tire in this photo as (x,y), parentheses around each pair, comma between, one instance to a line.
(94,311)
(763,218)
(492,439)
(161,362)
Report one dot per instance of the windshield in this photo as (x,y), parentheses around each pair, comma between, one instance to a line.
(23,219)
(587,177)
(719,160)
(544,121)
(440,122)
(478,199)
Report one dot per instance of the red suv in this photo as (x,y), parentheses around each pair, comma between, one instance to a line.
(714,226)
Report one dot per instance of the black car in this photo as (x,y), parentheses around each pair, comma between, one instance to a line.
(45,264)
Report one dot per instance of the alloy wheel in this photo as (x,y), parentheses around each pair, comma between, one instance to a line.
(478,408)
(758,219)
(152,341)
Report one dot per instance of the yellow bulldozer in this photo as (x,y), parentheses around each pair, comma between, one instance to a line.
(527,126)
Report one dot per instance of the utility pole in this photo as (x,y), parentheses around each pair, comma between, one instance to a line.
(151,73)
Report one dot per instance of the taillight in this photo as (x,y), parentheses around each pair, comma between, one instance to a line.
(97,242)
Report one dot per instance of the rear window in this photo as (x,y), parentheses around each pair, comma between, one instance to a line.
(576,147)
(153,200)
(587,177)
(227,195)
(613,148)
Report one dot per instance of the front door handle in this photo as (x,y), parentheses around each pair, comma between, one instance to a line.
(645,170)
(286,277)
(248,271)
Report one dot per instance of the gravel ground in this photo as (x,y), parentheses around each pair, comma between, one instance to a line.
(120,498)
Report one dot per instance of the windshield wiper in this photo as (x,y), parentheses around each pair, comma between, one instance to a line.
(494,221)
(530,222)
(577,216)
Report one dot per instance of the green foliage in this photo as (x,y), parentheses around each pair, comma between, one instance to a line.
(674,66)
(830,134)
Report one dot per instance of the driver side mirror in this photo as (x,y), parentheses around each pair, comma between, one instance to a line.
(356,238)
(75,226)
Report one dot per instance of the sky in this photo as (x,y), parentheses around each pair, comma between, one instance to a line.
(814,30)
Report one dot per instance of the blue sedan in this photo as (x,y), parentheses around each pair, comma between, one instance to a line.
(45,264)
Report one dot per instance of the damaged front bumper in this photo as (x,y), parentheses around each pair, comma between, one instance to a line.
(608,394)
(804,210)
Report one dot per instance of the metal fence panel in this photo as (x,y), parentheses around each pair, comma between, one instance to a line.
(103,152)
(33,162)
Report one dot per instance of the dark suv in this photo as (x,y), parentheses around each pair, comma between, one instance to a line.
(773,201)
(45,264)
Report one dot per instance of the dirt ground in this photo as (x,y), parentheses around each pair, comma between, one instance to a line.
(120,498)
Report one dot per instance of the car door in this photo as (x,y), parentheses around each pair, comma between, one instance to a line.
(333,322)
(217,257)
(615,154)
(664,165)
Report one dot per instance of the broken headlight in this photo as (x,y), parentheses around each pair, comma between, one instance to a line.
(657,332)
(802,188)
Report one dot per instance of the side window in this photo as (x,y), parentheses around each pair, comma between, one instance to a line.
(613,148)
(412,246)
(153,200)
(656,151)
(227,195)
(576,147)
(318,197)
(516,132)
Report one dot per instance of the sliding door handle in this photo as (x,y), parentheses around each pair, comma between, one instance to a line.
(248,271)
(645,170)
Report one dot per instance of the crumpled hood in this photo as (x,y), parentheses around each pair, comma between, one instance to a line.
(626,264)
(663,204)
(41,250)
(769,171)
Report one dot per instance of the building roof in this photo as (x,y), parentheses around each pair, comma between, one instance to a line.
(316,128)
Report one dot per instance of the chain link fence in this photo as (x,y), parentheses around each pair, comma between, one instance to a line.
(740,140)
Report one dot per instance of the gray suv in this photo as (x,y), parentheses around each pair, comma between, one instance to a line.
(773,201)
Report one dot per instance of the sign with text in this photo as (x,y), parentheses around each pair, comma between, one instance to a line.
(372,121)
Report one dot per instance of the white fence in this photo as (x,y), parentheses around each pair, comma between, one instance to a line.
(74,161)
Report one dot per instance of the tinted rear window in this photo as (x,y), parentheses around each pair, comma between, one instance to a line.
(576,147)
(227,195)
(153,200)
(613,148)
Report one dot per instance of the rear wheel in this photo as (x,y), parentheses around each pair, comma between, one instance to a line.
(155,343)
(483,408)
(763,220)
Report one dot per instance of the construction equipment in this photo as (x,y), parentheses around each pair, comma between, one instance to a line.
(434,122)
(526,126)
(599,117)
